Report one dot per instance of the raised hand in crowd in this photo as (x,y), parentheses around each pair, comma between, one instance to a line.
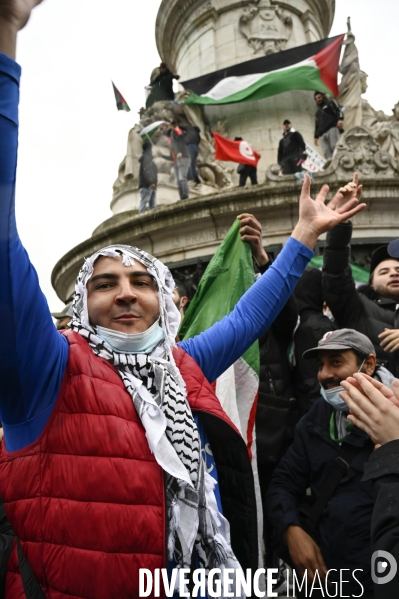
(315,217)
(251,232)
(373,407)
(346,193)
(305,553)
(14,15)
(390,339)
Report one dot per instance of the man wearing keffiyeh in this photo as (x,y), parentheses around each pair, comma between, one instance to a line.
(100,472)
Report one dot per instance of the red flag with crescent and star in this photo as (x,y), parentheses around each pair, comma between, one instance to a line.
(235,151)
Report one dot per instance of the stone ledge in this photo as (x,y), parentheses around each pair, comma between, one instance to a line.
(195,227)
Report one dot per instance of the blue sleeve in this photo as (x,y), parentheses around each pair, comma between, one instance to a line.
(221,345)
(33,355)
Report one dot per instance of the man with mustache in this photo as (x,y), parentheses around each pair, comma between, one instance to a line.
(341,536)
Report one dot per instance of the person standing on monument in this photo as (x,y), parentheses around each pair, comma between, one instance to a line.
(94,474)
(246,170)
(148,178)
(162,86)
(179,155)
(329,123)
(192,137)
(291,150)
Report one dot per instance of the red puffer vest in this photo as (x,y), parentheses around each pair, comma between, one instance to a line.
(87,498)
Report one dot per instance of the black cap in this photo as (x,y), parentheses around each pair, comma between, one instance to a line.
(378,256)
(393,248)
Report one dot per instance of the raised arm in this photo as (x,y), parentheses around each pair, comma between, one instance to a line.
(222,344)
(33,354)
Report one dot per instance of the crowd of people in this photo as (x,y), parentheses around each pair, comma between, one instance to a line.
(106,415)
(184,141)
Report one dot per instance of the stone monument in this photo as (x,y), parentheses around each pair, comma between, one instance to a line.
(195,37)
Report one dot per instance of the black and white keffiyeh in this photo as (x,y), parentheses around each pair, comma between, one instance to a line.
(158,392)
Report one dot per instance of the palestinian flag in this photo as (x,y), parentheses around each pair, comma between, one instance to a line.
(228,276)
(149,131)
(235,151)
(310,67)
(121,103)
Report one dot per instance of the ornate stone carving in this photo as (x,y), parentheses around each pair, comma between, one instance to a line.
(384,128)
(359,151)
(265,26)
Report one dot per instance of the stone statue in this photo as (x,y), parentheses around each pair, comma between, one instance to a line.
(358,151)
(386,132)
(129,167)
(384,127)
(358,111)
(350,88)
(265,26)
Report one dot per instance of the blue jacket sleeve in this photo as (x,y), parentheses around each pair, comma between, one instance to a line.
(33,355)
(222,344)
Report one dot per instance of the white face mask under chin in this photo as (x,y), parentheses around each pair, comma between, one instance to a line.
(332,397)
(132,343)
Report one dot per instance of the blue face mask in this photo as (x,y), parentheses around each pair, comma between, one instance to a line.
(332,396)
(134,343)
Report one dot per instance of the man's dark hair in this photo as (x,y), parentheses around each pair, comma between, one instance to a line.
(286,122)
(238,139)
(359,357)
(181,289)
(321,93)
(163,65)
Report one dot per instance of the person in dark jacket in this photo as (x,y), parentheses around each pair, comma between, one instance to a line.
(246,170)
(291,150)
(192,138)
(179,155)
(162,86)
(148,178)
(372,309)
(312,327)
(329,123)
(343,531)
(375,409)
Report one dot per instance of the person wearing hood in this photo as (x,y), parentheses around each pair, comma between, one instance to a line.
(328,456)
(372,309)
(148,178)
(313,325)
(291,150)
(104,424)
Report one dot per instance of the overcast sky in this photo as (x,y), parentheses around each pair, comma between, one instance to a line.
(72,138)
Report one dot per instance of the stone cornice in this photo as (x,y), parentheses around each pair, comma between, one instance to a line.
(195,227)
